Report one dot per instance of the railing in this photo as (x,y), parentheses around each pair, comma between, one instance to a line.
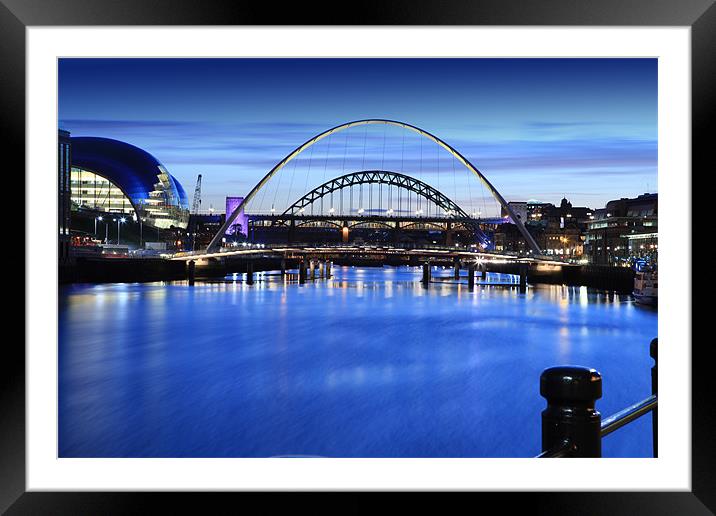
(571,426)
(338,245)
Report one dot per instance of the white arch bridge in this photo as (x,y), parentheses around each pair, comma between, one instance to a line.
(398,193)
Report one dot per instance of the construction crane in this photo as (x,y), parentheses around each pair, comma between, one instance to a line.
(197,196)
(195,212)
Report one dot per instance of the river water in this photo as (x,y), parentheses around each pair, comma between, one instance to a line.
(366,364)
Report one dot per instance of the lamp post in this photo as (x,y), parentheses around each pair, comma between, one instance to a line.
(95,224)
(120,220)
(138,219)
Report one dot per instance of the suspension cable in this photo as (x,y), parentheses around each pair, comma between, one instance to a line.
(310,161)
(343,167)
(454,181)
(290,187)
(325,166)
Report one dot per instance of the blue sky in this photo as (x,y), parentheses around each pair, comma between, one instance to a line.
(537,128)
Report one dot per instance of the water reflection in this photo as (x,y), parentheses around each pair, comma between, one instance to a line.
(365,364)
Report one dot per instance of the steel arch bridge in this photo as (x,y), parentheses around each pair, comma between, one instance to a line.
(383,177)
(230,218)
(388,178)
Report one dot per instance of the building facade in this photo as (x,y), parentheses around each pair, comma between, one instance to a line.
(564,229)
(110,176)
(558,230)
(624,231)
(204,227)
(519,208)
(64,160)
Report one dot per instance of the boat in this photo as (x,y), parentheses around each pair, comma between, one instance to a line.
(646,288)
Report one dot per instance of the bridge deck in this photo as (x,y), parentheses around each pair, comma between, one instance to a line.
(261,250)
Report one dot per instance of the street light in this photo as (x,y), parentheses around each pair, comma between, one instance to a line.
(95,224)
(122,220)
(138,219)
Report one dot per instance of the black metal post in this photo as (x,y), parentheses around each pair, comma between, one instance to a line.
(426,274)
(191,271)
(457,268)
(471,277)
(570,416)
(302,271)
(523,278)
(250,273)
(283,266)
(654,383)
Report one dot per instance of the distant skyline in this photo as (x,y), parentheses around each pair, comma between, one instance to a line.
(537,128)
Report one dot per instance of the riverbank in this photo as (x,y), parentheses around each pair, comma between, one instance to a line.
(133,270)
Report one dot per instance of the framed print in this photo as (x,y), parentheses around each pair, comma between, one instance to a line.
(417,250)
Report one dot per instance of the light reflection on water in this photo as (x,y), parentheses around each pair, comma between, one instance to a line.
(366,364)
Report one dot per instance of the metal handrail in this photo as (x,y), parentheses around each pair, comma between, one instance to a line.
(558,452)
(608,425)
(571,427)
(629,414)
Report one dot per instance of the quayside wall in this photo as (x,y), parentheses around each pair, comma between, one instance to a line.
(122,270)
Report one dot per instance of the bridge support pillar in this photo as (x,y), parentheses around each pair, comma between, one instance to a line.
(283,266)
(191,271)
(328,269)
(311,269)
(456,262)
(291,231)
(302,271)
(523,278)
(471,277)
(426,274)
(250,273)
(449,235)
(483,270)
(321,269)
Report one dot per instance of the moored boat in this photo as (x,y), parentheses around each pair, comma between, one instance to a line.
(646,288)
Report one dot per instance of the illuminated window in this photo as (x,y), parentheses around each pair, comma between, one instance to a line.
(92,191)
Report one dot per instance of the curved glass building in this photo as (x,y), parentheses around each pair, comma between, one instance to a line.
(113,176)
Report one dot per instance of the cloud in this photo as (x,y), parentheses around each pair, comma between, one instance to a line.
(524,161)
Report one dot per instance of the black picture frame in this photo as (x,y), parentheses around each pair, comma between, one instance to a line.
(700,15)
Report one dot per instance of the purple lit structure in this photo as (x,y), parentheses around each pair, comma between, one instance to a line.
(241,222)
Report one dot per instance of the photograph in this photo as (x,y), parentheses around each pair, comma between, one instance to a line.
(411,248)
(357,257)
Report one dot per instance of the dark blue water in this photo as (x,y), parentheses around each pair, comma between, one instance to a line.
(367,364)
